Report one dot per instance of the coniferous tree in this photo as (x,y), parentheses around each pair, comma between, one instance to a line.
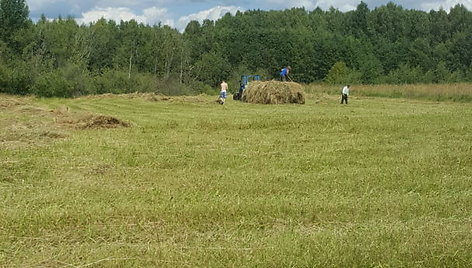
(13,17)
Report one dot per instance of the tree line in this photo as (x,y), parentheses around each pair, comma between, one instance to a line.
(387,44)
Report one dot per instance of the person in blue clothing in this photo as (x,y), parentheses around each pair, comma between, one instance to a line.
(284,73)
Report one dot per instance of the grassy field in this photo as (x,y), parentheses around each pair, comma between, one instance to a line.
(461,92)
(381,182)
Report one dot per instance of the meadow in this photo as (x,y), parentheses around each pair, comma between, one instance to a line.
(459,92)
(380,182)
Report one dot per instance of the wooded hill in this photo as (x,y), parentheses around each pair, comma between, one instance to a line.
(387,44)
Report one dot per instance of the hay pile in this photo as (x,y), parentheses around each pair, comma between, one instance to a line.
(274,92)
(64,117)
(101,121)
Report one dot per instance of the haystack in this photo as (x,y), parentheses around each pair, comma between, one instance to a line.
(273,92)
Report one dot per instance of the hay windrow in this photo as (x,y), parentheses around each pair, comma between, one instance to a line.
(87,121)
(153,97)
(25,123)
(274,92)
(9,101)
(100,121)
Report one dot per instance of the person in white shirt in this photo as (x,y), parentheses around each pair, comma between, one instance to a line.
(224,88)
(345,94)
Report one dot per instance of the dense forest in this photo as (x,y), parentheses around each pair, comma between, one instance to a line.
(387,44)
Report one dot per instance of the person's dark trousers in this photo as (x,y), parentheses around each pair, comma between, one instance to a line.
(344,98)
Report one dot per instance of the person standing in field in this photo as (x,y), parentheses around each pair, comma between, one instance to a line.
(345,94)
(223,90)
(284,73)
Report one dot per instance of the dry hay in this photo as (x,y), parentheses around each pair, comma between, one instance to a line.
(9,101)
(90,121)
(152,97)
(65,117)
(24,123)
(101,121)
(157,97)
(274,92)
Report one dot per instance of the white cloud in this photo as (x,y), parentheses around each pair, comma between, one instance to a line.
(149,16)
(307,4)
(153,15)
(342,5)
(445,4)
(211,14)
(38,4)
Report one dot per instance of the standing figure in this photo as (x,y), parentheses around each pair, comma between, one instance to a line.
(284,73)
(224,88)
(345,94)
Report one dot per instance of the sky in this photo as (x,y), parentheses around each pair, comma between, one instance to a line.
(177,13)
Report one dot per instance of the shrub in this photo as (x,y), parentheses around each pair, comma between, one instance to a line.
(143,82)
(405,75)
(21,79)
(173,87)
(5,75)
(52,84)
(341,74)
(113,81)
(79,78)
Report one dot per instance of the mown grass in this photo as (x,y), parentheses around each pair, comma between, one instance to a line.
(378,182)
(461,92)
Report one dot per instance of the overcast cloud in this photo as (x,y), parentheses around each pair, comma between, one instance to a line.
(177,13)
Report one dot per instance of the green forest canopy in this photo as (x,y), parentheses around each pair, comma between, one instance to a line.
(388,44)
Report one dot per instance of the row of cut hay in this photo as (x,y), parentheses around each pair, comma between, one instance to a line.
(273,92)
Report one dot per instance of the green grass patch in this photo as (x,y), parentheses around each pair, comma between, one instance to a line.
(378,182)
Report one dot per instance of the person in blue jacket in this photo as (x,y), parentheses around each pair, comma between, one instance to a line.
(284,73)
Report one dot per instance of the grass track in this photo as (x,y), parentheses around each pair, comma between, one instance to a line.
(380,182)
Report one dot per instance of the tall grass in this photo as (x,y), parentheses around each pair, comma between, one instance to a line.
(436,92)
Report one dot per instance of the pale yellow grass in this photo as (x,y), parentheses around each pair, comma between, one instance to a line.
(438,92)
